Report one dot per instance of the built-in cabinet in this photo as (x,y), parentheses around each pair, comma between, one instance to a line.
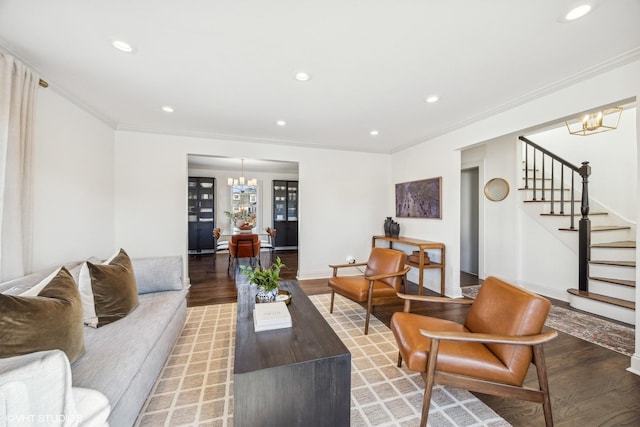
(201,214)
(285,214)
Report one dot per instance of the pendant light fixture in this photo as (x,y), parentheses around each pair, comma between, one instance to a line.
(596,122)
(241,180)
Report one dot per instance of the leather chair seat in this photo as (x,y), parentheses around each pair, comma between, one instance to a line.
(463,358)
(356,288)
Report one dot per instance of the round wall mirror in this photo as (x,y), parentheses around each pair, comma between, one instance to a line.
(496,189)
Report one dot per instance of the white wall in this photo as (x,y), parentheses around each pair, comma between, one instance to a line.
(429,160)
(73,183)
(500,231)
(344,196)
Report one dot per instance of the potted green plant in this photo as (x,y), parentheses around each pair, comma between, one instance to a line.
(266,280)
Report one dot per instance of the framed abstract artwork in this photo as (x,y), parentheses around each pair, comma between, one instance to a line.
(419,199)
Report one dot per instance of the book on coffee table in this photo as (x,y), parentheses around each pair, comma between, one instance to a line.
(269,316)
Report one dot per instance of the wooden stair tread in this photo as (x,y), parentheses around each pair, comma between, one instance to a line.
(545,189)
(576,214)
(626,244)
(549,201)
(610,227)
(618,263)
(629,283)
(600,228)
(603,298)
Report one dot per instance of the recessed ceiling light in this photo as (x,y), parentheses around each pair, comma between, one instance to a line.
(374,132)
(281,123)
(122,46)
(302,76)
(168,109)
(432,99)
(578,12)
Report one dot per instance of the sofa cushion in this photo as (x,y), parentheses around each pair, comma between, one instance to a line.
(108,290)
(158,274)
(52,319)
(110,364)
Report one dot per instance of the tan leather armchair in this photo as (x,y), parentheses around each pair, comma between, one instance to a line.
(384,276)
(244,246)
(490,353)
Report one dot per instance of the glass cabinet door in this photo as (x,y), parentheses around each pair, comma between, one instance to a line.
(192,199)
(285,213)
(200,214)
(279,200)
(205,211)
(292,201)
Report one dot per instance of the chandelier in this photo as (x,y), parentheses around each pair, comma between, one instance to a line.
(241,180)
(596,122)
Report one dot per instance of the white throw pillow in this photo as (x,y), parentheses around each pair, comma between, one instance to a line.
(34,291)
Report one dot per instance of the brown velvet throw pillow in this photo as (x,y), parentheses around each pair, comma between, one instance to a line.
(50,320)
(114,289)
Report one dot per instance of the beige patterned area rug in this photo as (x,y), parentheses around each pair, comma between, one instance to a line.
(195,387)
(598,331)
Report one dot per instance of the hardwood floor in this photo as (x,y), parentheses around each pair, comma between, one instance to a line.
(210,283)
(589,384)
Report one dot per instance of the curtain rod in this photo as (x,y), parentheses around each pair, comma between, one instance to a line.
(43,83)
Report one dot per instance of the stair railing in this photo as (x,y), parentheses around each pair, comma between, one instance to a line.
(544,156)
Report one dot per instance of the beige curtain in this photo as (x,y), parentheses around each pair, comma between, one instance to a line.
(18,87)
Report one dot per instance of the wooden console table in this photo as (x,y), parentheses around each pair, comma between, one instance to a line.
(422,245)
(298,376)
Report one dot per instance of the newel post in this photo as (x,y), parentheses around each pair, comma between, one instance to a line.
(584,230)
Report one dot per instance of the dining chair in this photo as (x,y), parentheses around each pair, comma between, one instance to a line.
(244,246)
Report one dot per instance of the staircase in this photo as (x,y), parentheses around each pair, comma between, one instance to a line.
(606,249)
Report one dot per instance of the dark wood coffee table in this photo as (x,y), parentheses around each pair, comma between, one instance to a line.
(298,376)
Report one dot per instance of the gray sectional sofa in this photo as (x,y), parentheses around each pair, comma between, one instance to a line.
(122,360)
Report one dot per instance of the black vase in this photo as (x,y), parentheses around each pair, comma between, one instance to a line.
(387,226)
(395,229)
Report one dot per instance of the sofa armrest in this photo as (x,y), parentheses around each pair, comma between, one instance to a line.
(35,389)
(157,274)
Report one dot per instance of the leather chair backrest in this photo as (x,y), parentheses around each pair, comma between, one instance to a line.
(501,308)
(383,260)
(244,245)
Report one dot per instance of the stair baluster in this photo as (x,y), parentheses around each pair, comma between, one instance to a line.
(584,226)
(553,199)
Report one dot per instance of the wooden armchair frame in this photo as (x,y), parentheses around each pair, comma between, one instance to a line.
(433,376)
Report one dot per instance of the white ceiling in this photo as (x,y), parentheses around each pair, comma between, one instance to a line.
(227,67)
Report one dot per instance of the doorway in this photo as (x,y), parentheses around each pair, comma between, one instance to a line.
(469,222)
(260,205)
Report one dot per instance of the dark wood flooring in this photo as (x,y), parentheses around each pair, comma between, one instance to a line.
(589,384)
